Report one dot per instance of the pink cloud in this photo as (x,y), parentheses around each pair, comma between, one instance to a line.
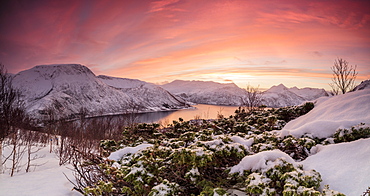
(161,5)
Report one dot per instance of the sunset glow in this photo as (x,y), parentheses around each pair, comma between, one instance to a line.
(246,42)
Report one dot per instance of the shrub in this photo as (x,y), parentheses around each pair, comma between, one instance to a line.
(354,133)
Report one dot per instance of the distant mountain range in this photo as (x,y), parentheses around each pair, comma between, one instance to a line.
(281,96)
(230,94)
(206,92)
(70,89)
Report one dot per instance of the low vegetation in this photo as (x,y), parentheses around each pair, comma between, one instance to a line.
(197,157)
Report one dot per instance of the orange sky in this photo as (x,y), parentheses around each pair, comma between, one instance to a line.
(260,42)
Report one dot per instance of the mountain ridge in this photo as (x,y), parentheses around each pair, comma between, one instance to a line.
(281,96)
(209,92)
(206,92)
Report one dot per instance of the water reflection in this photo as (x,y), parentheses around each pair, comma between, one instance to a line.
(202,111)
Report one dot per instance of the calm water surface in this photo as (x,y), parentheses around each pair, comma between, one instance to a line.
(202,111)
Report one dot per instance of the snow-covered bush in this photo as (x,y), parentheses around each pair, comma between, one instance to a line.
(297,148)
(354,133)
(274,173)
(164,189)
(272,119)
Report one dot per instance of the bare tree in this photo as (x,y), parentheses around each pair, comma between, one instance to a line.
(7,98)
(32,140)
(17,152)
(10,107)
(344,76)
(13,118)
(252,99)
(50,122)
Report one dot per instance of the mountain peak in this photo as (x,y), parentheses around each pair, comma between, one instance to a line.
(277,88)
(58,70)
(281,85)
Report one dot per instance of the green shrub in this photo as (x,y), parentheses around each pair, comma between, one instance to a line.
(354,133)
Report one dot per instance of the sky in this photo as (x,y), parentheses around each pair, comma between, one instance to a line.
(259,43)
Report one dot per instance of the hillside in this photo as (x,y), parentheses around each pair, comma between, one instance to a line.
(70,87)
(148,94)
(330,114)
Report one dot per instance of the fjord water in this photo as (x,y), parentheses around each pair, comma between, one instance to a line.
(202,111)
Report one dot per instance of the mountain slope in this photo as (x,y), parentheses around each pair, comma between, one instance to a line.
(364,85)
(281,96)
(70,87)
(149,95)
(206,92)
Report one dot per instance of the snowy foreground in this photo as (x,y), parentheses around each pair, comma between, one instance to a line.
(47,179)
(345,167)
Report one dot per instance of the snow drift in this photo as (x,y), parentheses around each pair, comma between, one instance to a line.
(260,161)
(117,155)
(344,167)
(342,111)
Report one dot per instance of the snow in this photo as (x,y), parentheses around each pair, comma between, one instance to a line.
(341,111)
(164,188)
(345,167)
(47,179)
(247,143)
(260,161)
(117,155)
(121,82)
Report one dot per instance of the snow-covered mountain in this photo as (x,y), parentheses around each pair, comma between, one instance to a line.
(206,92)
(147,94)
(364,85)
(281,96)
(230,94)
(70,87)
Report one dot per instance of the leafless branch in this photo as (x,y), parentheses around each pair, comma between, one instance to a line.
(344,76)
